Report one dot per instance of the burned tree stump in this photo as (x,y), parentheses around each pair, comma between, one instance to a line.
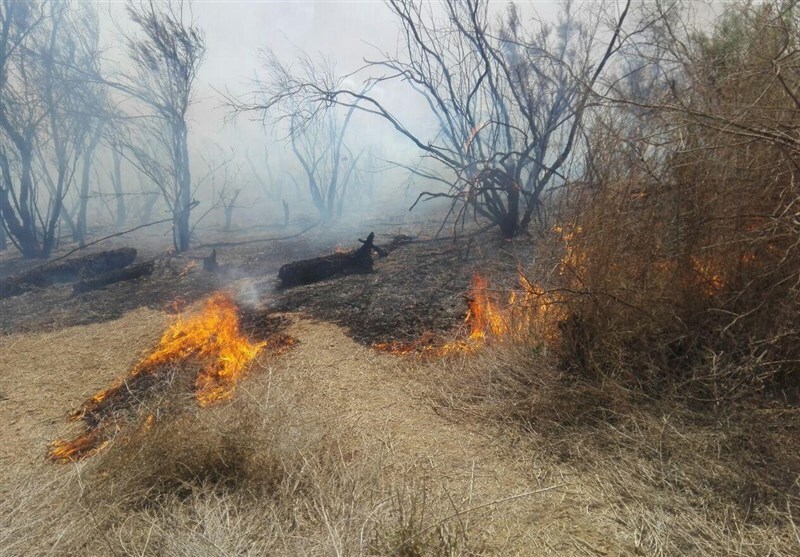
(210,263)
(71,270)
(128,273)
(307,271)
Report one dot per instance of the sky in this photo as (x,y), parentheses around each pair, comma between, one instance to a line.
(237,31)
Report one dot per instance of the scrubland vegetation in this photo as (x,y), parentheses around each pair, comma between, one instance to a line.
(649,404)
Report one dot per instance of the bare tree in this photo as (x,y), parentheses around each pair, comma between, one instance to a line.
(327,162)
(166,56)
(316,137)
(43,107)
(508,103)
(121,212)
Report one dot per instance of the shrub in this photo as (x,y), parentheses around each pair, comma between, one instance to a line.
(680,250)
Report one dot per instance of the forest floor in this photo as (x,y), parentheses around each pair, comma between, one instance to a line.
(335,448)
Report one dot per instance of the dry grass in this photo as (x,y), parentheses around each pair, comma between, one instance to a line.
(661,477)
(259,476)
(320,453)
(337,450)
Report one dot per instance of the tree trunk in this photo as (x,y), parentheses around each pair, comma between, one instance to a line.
(131,272)
(510,226)
(23,238)
(67,271)
(88,158)
(27,238)
(308,271)
(285,213)
(183,185)
(116,182)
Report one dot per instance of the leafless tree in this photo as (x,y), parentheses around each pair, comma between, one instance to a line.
(326,160)
(508,102)
(166,54)
(316,137)
(44,102)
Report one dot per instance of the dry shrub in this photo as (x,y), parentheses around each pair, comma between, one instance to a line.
(680,263)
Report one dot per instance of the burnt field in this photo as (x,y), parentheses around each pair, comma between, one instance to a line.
(419,287)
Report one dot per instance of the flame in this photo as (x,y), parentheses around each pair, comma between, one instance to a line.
(84,445)
(528,310)
(483,315)
(212,337)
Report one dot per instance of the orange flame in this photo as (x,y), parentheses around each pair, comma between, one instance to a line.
(484,316)
(213,337)
(525,312)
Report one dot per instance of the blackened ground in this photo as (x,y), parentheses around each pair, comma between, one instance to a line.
(175,282)
(419,287)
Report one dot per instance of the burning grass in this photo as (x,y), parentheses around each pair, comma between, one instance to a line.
(210,341)
(528,314)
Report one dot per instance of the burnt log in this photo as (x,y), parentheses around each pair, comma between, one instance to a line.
(71,270)
(128,273)
(307,271)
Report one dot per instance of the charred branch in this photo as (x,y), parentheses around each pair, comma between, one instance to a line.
(131,272)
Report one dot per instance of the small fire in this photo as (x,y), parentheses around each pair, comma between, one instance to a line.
(211,337)
(484,316)
(528,310)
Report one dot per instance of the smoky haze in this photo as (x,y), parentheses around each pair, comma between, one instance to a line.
(237,34)
(185,151)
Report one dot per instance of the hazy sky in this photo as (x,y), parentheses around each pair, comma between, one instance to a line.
(236,31)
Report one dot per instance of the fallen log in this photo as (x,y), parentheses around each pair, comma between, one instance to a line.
(307,271)
(128,273)
(71,270)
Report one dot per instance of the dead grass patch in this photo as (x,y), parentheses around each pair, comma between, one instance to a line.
(665,478)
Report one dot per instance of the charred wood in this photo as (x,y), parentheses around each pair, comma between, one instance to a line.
(210,263)
(308,271)
(68,271)
(128,273)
